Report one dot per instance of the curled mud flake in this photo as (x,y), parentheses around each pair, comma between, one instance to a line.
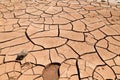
(26,65)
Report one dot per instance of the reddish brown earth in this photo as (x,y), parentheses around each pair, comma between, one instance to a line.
(59,40)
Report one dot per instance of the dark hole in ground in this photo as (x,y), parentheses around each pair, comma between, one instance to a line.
(51,72)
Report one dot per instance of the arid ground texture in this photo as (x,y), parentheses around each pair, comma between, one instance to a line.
(59,40)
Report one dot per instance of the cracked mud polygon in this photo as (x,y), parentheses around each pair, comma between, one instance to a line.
(59,40)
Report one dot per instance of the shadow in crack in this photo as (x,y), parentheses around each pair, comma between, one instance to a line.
(51,72)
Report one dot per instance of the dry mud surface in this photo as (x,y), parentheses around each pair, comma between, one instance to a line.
(59,40)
